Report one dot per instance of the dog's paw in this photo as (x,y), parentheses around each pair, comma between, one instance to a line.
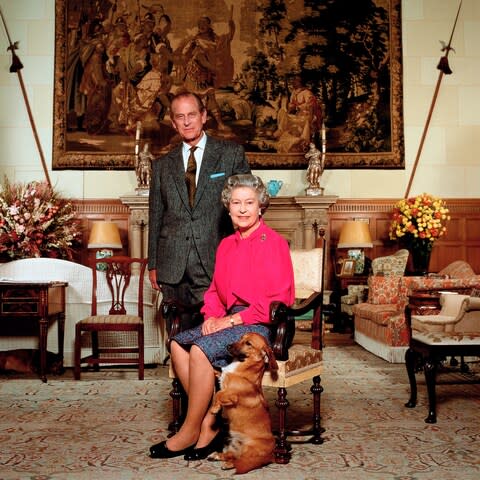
(228,466)
(215,457)
(215,409)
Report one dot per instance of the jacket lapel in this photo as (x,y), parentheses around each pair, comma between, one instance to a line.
(210,163)
(178,174)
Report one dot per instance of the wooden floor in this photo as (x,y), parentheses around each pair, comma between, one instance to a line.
(303,335)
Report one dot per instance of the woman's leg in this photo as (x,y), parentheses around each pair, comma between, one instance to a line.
(200,384)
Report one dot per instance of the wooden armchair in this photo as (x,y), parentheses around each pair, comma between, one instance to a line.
(297,361)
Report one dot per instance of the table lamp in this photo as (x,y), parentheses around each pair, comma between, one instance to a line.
(104,237)
(355,235)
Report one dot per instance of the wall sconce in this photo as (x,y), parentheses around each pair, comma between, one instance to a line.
(355,235)
(104,237)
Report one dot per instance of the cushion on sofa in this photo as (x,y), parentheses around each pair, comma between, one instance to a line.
(458,269)
(383,290)
(392,264)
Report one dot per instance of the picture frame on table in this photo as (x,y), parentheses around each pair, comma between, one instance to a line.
(348,268)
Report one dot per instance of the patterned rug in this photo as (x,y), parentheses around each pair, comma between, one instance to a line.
(102,426)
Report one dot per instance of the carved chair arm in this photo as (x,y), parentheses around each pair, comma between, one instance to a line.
(172,311)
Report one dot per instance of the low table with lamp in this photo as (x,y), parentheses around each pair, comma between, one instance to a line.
(351,271)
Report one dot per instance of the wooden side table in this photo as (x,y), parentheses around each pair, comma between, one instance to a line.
(342,282)
(31,301)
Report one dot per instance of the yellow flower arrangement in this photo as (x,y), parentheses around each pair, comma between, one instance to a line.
(417,222)
(423,217)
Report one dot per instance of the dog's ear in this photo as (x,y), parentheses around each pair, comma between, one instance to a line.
(270,359)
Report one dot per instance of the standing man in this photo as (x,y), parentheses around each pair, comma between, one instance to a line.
(186,216)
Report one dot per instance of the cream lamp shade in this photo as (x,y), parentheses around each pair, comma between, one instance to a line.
(355,234)
(104,235)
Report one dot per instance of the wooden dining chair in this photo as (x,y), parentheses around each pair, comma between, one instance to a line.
(122,283)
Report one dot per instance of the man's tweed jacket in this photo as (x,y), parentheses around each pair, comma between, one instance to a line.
(173,225)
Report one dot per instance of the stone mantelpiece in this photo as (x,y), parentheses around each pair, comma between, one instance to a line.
(298,219)
(138,225)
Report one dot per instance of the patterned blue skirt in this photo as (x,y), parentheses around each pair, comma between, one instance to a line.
(214,346)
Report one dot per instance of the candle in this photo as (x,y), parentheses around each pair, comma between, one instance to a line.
(324,138)
(137,134)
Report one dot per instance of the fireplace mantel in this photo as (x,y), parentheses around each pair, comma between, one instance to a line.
(298,219)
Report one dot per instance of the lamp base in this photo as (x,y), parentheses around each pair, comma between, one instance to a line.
(103,253)
(359,257)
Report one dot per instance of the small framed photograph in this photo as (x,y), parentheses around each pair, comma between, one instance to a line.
(348,267)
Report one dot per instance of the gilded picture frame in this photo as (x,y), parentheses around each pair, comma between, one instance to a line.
(275,76)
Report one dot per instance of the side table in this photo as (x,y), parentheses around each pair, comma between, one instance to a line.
(32,301)
(343,320)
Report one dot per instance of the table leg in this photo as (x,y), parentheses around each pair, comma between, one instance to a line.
(410,361)
(61,334)
(43,325)
(430,369)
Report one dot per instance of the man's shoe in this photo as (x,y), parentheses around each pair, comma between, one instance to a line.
(160,450)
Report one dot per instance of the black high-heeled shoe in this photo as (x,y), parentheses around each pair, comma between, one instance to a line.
(160,450)
(216,445)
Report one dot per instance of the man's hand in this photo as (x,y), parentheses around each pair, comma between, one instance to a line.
(152,276)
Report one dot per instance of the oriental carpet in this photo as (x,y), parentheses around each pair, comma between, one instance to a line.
(102,426)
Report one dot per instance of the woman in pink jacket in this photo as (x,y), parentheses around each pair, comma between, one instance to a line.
(252,269)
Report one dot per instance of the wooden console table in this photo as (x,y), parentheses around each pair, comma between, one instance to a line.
(42,302)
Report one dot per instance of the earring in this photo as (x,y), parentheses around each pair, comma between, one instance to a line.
(259,213)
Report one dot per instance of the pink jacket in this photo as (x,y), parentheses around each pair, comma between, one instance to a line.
(253,272)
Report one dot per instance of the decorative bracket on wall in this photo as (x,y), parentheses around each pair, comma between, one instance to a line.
(444,70)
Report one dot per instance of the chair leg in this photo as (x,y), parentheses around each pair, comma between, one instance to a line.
(317,430)
(77,354)
(96,365)
(282,447)
(176,395)
(141,353)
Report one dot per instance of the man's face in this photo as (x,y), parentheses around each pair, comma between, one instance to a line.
(187,119)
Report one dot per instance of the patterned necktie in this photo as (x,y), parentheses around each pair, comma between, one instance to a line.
(190,175)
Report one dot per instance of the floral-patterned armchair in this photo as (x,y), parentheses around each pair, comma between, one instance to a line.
(380,325)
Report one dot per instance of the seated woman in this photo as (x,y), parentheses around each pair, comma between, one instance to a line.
(252,269)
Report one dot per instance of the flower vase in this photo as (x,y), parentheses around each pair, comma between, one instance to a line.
(420,260)
(421,253)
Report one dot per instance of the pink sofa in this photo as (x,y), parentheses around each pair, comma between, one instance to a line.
(380,325)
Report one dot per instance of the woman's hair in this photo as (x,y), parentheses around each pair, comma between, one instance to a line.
(246,180)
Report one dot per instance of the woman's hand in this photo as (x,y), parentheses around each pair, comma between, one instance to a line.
(213,325)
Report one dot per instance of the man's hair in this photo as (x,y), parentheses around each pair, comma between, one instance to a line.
(186,94)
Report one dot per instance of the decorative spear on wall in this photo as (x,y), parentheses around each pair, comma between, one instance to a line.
(444,70)
(16,67)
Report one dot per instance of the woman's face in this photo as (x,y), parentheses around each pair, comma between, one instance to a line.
(244,210)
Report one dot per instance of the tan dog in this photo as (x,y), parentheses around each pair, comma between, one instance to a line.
(244,405)
(25,360)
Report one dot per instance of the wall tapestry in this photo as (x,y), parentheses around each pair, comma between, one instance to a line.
(271,72)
